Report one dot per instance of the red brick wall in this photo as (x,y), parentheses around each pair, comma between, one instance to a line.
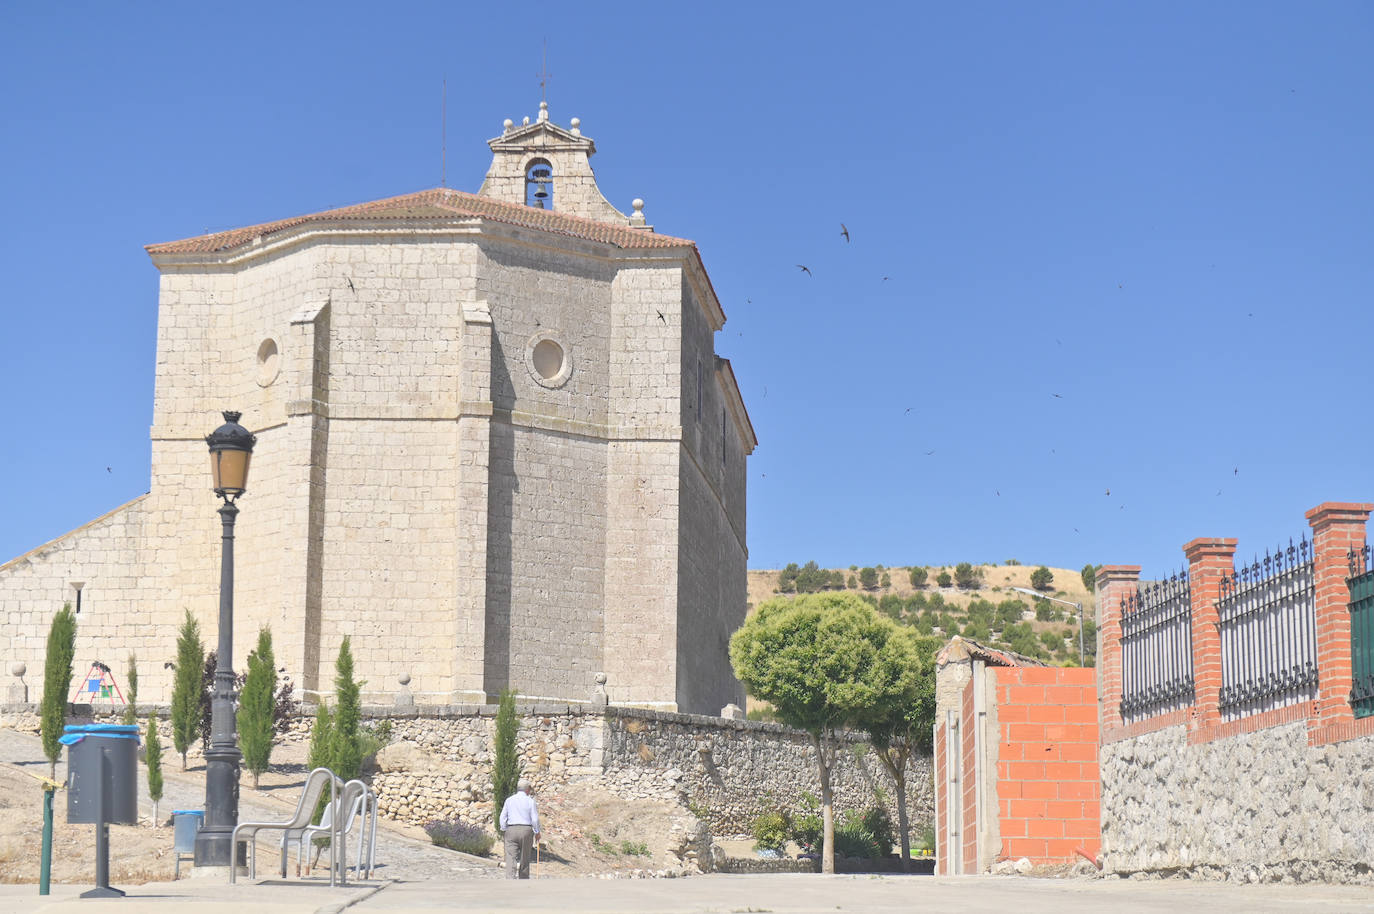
(1048,787)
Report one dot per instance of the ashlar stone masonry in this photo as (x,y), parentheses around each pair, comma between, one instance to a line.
(496,448)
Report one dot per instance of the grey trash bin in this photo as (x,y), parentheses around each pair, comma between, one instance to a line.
(102,788)
(102,764)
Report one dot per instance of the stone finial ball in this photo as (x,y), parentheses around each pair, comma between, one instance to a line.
(575,122)
(18,669)
(508,123)
(600,678)
(403,679)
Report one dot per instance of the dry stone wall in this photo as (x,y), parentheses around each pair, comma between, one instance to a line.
(1259,807)
(437,762)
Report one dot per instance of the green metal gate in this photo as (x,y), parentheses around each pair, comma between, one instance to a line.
(1362,644)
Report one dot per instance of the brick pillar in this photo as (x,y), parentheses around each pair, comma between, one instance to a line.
(1209,560)
(1337,527)
(1114,582)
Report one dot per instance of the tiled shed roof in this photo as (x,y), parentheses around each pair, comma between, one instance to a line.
(439,204)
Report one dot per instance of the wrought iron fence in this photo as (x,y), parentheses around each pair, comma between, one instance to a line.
(1361,633)
(1157,648)
(1268,627)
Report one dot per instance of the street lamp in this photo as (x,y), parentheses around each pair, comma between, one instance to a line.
(1078,606)
(231,448)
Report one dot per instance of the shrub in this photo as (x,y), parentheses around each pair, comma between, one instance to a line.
(130,717)
(57,683)
(918,577)
(886,581)
(771,830)
(152,753)
(1044,612)
(1089,575)
(186,686)
(868,577)
(460,836)
(505,768)
(634,848)
(255,717)
(944,580)
(867,834)
(1042,578)
(966,576)
(852,583)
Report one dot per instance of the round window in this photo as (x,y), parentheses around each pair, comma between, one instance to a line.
(548,360)
(269,362)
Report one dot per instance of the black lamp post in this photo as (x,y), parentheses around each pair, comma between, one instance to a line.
(231,448)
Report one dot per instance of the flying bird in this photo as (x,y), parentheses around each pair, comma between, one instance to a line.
(108,470)
(928,453)
(886,278)
(805,270)
(660,316)
(908,409)
(349,280)
(1058,396)
(845,232)
(1236,472)
(1108,492)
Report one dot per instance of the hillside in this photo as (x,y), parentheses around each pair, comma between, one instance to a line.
(983,612)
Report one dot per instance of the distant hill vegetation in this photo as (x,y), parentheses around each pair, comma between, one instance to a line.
(975,601)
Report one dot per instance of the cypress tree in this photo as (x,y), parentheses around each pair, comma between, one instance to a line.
(321,750)
(186,688)
(256,707)
(153,753)
(131,708)
(348,753)
(57,681)
(505,767)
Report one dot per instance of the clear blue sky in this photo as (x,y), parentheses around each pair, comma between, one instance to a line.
(1129,245)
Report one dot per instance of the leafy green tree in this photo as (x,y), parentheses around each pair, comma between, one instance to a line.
(868,577)
(918,577)
(505,766)
(1009,612)
(837,580)
(152,751)
(1042,578)
(886,582)
(811,578)
(57,683)
(944,579)
(1089,575)
(348,751)
(186,686)
(1052,640)
(823,662)
(1044,611)
(787,578)
(898,729)
(257,707)
(130,716)
(967,576)
(891,606)
(852,583)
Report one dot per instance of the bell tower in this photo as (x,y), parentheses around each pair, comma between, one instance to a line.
(545,166)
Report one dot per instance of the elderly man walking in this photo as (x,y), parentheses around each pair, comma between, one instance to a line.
(520,825)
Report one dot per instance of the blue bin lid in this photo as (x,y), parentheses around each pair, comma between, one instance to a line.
(189,812)
(75,733)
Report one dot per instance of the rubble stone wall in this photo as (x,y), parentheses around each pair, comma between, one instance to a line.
(1258,807)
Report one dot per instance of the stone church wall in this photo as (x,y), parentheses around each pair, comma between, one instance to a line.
(1257,807)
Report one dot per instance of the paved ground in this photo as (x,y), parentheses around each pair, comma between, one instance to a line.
(781,894)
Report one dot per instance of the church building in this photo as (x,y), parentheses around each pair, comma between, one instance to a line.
(495,448)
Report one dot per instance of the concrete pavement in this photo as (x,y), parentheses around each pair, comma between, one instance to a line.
(779,894)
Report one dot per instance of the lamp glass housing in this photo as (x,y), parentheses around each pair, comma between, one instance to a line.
(229,469)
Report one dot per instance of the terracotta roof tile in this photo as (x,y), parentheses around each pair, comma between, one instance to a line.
(437,204)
